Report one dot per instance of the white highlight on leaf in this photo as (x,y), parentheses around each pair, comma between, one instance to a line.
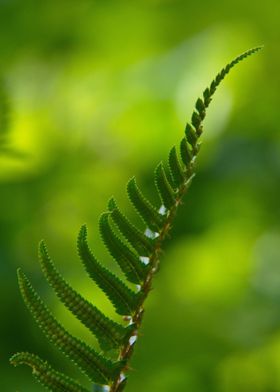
(129,319)
(151,234)
(191,178)
(122,377)
(162,210)
(132,339)
(145,260)
(138,288)
(194,158)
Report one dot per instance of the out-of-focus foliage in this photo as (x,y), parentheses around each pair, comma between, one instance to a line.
(100,90)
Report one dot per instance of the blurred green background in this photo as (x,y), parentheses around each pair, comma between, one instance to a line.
(93,92)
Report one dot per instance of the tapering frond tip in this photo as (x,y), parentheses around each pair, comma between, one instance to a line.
(245,54)
(253,50)
(18,359)
(42,249)
(24,284)
(26,358)
(21,276)
(209,91)
(112,204)
(83,232)
(82,238)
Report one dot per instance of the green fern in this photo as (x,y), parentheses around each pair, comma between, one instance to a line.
(138,258)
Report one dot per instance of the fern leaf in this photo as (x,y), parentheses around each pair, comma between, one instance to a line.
(175,168)
(109,334)
(129,262)
(196,123)
(124,300)
(137,239)
(145,209)
(192,136)
(201,109)
(186,152)
(51,379)
(96,367)
(164,188)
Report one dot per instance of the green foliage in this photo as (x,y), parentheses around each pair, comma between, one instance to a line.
(145,209)
(46,375)
(95,366)
(138,240)
(124,300)
(109,334)
(175,167)
(166,193)
(128,261)
(138,257)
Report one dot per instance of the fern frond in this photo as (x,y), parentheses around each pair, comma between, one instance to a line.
(129,262)
(96,367)
(123,298)
(137,239)
(145,209)
(138,258)
(51,379)
(109,334)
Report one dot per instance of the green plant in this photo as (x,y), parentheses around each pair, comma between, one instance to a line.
(137,255)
